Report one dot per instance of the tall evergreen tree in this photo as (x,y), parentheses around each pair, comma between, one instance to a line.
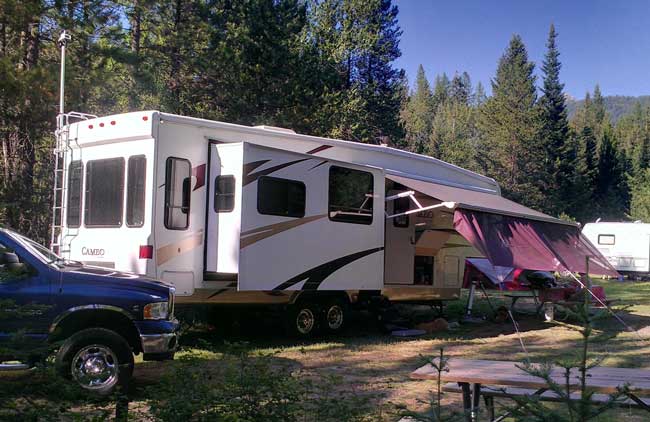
(510,125)
(460,90)
(417,114)
(610,194)
(441,90)
(560,158)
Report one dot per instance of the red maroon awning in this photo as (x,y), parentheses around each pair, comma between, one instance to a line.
(532,244)
(512,235)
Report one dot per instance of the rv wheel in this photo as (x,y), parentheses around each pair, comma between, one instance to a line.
(301,319)
(334,316)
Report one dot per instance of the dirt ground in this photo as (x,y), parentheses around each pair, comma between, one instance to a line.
(379,364)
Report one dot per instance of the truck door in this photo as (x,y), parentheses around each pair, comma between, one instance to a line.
(224,212)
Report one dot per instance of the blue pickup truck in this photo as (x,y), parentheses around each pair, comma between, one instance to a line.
(98,318)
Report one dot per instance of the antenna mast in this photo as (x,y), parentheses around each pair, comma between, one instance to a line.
(62,42)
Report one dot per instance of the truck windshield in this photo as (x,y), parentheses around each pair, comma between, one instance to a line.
(40,251)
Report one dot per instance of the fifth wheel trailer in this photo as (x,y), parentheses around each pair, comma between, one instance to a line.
(232,214)
(625,245)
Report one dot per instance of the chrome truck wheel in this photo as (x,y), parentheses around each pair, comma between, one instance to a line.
(97,359)
(95,367)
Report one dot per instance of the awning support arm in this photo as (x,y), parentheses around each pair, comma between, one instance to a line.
(450,205)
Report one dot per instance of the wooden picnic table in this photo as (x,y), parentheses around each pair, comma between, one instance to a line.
(471,374)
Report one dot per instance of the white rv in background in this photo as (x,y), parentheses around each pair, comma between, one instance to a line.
(625,245)
(232,214)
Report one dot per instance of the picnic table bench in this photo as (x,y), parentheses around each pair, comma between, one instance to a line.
(505,379)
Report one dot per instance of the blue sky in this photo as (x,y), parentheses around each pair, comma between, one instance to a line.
(601,41)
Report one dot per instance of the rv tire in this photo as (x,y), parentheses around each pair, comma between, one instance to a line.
(302,319)
(334,316)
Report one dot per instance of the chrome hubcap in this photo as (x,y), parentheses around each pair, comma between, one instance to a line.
(305,321)
(334,317)
(95,367)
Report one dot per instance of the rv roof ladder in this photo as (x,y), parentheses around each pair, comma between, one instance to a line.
(63,155)
(419,208)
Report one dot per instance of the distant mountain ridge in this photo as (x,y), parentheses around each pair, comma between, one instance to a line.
(617,105)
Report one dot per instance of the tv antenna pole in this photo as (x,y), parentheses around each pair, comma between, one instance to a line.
(62,42)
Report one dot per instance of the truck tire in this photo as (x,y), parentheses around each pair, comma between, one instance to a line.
(334,316)
(302,320)
(97,359)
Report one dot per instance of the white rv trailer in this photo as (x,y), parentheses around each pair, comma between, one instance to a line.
(261,215)
(625,245)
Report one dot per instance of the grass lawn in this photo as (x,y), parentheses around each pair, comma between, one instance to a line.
(377,366)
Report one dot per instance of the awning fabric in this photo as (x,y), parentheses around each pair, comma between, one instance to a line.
(474,200)
(535,245)
(512,235)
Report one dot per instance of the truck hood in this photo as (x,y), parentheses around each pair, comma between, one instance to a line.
(116,279)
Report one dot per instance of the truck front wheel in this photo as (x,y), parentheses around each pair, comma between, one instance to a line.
(97,359)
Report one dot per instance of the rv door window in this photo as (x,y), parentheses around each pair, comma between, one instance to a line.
(75,172)
(104,193)
(178,174)
(350,195)
(606,239)
(224,193)
(281,197)
(135,190)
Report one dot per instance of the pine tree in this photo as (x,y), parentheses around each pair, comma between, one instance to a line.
(560,158)
(610,194)
(510,127)
(417,115)
(362,39)
(441,90)
(586,177)
(460,90)
(479,96)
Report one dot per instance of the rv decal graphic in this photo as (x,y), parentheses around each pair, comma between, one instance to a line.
(317,275)
(318,165)
(252,236)
(319,149)
(98,252)
(167,252)
(251,177)
(218,292)
(199,173)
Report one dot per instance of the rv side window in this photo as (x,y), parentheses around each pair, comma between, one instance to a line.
(281,197)
(606,239)
(135,191)
(224,193)
(178,173)
(104,193)
(75,172)
(350,195)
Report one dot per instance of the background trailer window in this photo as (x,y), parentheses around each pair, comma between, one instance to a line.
(75,175)
(282,197)
(178,176)
(135,191)
(350,195)
(104,193)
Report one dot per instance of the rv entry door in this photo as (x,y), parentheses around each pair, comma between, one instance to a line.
(224,212)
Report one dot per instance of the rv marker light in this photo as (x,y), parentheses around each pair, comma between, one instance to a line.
(146,251)
(112,122)
(145,118)
(101,125)
(90,126)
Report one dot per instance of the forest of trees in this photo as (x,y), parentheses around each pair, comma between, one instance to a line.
(322,67)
